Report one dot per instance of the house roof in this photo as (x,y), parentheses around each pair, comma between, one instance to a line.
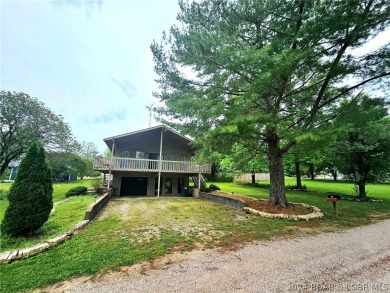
(155,131)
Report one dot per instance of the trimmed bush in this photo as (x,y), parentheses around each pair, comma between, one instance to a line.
(78,190)
(214,187)
(30,196)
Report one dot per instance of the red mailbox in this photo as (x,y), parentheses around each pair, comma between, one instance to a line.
(333,198)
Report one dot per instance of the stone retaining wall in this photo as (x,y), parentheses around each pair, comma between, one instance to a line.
(240,204)
(227,201)
(94,209)
(8,256)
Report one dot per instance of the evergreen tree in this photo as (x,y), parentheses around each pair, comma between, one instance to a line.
(266,72)
(30,197)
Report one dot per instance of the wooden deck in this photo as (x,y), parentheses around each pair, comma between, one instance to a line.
(147,165)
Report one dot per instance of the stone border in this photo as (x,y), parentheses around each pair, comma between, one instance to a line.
(8,256)
(316,214)
(92,211)
(225,200)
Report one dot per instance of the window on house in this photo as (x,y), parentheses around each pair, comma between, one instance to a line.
(140,164)
(139,155)
(168,185)
(171,157)
(156,185)
(183,166)
(125,163)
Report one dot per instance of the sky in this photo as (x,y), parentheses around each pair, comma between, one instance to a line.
(89,61)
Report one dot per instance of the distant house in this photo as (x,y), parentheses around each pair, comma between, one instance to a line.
(141,158)
(14,165)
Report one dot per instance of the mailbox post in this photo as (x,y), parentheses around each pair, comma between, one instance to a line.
(334,198)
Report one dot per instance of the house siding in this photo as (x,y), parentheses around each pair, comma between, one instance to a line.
(117,179)
(168,149)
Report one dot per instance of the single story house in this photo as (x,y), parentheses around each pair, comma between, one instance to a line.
(150,162)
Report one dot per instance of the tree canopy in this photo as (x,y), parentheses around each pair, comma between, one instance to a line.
(266,72)
(25,120)
(363,145)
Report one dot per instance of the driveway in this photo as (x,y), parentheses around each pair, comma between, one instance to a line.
(355,260)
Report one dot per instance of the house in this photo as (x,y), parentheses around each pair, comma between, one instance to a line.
(14,165)
(150,162)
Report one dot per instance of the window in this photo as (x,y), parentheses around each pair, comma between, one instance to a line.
(139,155)
(140,164)
(171,157)
(168,185)
(124,164)
(183,166)
(156,185)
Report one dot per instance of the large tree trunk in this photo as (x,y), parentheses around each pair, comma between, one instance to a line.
(334,174)
(277,195)
(311,170)
(213,171)
(298,174)
(253,178)
(4,166)
(362,190)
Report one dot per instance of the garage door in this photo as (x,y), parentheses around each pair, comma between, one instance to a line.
(134,185)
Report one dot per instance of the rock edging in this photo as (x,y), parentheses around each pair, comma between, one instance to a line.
(316,214)
(92,211)
(8,256)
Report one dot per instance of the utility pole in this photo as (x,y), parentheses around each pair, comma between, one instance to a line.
(150,108)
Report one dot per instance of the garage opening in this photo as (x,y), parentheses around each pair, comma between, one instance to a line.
(134,186)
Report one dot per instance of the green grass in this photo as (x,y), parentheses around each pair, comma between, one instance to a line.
(59,190)
(128,232)
(66,215)
(350,213)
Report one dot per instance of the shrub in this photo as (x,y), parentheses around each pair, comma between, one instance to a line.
(224,177)
(30,196)
(292,187)
(78,190)
(213,187)
(97,185)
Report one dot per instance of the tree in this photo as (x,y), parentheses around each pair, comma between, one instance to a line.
(88,150)
(25,120)
(65,164)
(364,146)
(266,71)
(30,196)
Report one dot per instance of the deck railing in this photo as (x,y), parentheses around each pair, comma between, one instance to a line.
(146,165)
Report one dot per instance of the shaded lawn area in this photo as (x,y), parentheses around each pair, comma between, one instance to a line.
(128,232)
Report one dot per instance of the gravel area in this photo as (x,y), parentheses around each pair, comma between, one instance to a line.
(355,260)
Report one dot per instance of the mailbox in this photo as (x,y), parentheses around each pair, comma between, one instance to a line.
(333,198)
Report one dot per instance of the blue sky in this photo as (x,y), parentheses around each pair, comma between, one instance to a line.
(89,61)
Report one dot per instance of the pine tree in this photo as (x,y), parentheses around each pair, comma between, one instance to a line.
(30,197)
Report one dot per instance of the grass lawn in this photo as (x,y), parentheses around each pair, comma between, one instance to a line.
(59,190)
(66,215)
(128,232)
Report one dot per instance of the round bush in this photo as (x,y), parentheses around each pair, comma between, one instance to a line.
(78,190)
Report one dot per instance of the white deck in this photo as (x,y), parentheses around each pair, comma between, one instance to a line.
(147,165)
